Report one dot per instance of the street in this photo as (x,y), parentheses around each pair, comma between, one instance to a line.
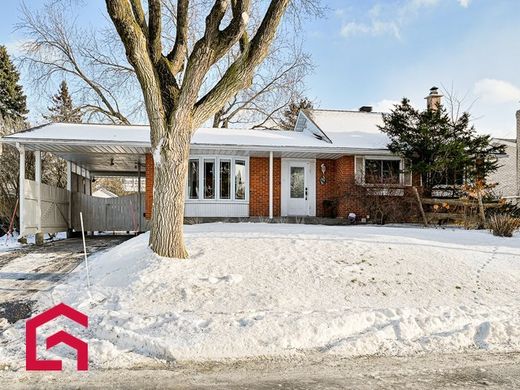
(456,371)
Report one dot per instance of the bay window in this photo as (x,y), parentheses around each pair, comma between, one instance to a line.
(219,178)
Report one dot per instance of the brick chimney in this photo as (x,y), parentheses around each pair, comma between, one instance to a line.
(518,153)
(433,100)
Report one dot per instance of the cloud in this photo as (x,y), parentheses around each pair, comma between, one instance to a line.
(375,27)
(386,17)
(496,91)
(15,48)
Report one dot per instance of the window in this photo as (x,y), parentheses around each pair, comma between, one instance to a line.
(209,179)
(297,182)
(382,171)
(193,179)
(225,179)
(451,177)
(240,179)
(218,178)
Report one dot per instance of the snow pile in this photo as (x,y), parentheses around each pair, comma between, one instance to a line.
(261,289)
(10,241)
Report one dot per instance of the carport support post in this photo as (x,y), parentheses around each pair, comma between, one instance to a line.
(271,185)
(69,191)
(21,188)
(38,238)
(139,196)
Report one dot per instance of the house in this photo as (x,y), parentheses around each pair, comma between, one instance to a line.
(232,172)
(102,192)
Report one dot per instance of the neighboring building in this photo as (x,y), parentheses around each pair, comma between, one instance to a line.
(505,176)
(102,192)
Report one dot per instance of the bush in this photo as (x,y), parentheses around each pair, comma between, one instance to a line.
(503,225)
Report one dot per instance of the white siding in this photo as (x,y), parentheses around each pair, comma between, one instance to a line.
(216,209)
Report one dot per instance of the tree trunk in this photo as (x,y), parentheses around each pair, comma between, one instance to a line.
(170,175)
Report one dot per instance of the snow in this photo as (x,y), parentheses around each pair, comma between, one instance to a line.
(346,130)
(10,241)
(257,290)
(352,129)
(85,132)
(74,132)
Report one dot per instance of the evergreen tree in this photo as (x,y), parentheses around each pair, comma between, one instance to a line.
(63,109)
(290,114)
(12,99)
(439,147)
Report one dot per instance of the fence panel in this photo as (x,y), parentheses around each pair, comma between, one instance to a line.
(109,214)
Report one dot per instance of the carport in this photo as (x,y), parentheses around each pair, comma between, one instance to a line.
(90,151)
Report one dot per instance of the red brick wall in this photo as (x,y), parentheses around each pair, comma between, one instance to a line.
(149,186)
(325,191)
(340,181)
(259,186)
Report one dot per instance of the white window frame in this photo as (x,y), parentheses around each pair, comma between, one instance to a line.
(188,198)
(216,159)
(389,158)
(231,179)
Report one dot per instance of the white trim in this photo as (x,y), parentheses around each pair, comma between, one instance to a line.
(38,180)
(21,188)
(69,190)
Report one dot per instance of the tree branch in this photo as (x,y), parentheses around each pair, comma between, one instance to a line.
(177,55)
(135,43)
(154,30)
(240,73)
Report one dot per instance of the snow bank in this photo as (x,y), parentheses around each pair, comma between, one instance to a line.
(261,289)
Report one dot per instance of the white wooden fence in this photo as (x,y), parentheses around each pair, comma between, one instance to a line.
(109,214)
(47,213)
(46,210)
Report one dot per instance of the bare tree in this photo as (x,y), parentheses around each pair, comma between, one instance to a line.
(9,169)
(171,83)
(93,62)
(457,104)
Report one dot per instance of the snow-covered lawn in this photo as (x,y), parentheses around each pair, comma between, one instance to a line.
(264,289)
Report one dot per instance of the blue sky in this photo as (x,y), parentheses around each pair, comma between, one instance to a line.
(374,52)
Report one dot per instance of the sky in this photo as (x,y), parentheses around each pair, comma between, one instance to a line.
(375,52)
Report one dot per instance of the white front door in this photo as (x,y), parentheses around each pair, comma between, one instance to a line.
(298,187)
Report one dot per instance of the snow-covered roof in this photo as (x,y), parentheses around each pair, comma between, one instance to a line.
(325,130)
(352,129)
(96,133)
(121,134)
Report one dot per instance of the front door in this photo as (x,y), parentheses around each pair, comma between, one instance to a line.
(298,194)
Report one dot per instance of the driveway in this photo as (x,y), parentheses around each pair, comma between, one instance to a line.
(26,270)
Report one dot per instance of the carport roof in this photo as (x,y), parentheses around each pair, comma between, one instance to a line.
(111,148)
(123,135)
